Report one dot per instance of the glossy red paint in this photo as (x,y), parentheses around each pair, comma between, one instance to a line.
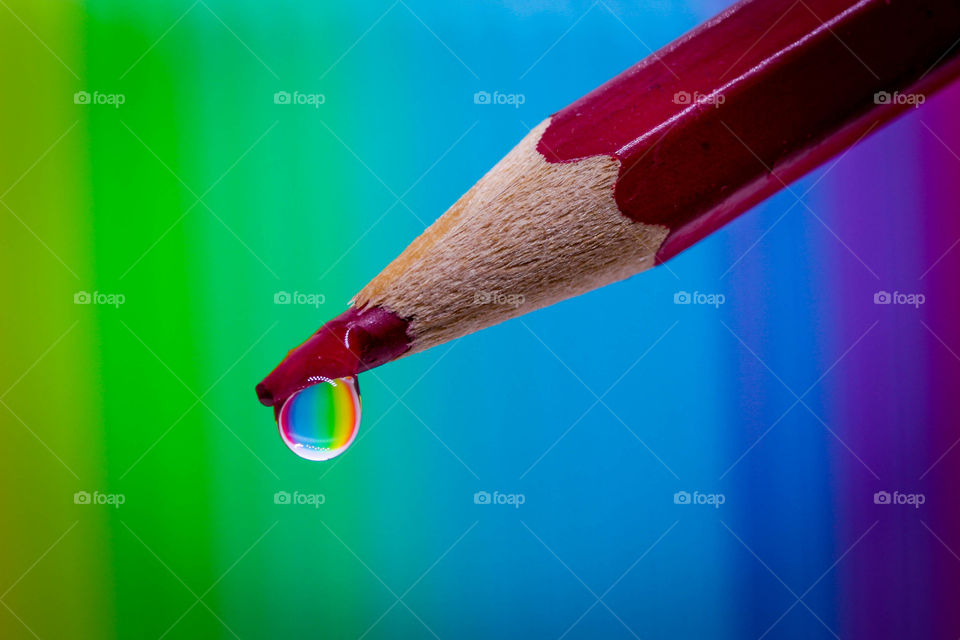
(751,100)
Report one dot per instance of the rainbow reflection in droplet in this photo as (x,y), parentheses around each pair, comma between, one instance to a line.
(320,421)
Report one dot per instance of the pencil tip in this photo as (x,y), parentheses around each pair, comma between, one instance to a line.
(266,398)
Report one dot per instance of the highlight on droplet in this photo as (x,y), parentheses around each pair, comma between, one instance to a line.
(320,422)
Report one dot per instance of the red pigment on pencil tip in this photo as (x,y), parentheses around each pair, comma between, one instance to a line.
(354,341)
(730,113)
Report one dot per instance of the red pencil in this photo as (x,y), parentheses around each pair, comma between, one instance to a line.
(641,168)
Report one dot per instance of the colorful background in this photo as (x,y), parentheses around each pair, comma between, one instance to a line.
(199,198)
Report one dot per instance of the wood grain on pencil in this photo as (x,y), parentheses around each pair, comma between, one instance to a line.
(644,166)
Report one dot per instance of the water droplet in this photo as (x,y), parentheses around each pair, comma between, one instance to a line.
(320,421)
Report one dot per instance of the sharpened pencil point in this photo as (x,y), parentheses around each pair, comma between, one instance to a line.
(266,398)
(354,341)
